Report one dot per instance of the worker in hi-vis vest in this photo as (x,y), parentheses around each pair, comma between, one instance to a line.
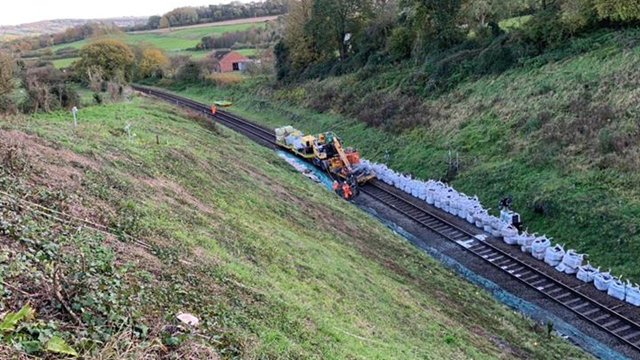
(346,190)
(213,109)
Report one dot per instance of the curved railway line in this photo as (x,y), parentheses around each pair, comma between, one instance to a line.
(604,317)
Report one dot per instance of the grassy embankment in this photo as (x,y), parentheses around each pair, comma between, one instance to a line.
(174,42)
(274,265)
(559,133)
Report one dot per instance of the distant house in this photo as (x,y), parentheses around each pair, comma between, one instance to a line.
(228,61)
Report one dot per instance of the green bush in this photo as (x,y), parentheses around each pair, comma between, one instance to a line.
(400,43)
(189,72)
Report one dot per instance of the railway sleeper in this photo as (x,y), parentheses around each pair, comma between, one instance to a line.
(621,329)
(631,335)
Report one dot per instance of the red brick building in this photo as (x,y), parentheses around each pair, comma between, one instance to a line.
(228,61)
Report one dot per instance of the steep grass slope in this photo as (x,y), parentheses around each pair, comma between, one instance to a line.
(560,133)
(273,265)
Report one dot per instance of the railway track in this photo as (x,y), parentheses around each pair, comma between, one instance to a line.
(254,131)
(606,318)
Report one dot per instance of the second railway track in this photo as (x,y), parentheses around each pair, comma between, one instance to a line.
(604,317)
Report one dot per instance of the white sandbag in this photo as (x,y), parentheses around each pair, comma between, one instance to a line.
(602,281)
(617,289)
(430,196)
(487,223)
(496,227)
(510,234)
(553,255)
(633,295)
(586,273)
(573,259)
(479,218)
(539,247)
(570,262)
(525,240)
(471,213)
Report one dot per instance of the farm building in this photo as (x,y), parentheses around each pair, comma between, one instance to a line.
(228,61)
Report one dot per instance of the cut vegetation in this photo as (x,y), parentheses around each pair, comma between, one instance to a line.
(204,221)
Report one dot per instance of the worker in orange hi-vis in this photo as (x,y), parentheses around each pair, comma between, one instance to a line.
(213,109)
(335,185)
(346,190)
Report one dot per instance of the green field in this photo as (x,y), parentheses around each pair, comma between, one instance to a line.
(558,133)
(172,41)
(63,63)
(274,265)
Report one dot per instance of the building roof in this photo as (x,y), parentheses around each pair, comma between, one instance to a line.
(219,55)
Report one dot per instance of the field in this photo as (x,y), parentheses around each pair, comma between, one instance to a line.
(176,40)
(558,133)
(204,221)
(63,63)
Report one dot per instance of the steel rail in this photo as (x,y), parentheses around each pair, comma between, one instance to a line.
(603,317)
(607,319)
(222,116)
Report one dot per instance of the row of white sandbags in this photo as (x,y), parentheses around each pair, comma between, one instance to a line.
(433,192)
(469,208)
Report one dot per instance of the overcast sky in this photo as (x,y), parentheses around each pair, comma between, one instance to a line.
(13,12)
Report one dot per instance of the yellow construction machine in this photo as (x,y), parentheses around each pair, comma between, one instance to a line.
(326,151)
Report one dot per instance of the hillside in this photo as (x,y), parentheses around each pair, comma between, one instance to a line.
(9,32)
(558,132)
(203,221)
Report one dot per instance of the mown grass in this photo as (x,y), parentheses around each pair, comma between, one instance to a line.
(559,133)
(274,265)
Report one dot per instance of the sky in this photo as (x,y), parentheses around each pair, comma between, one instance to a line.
(14,12)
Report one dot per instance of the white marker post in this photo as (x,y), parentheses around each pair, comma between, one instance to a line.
(74,111)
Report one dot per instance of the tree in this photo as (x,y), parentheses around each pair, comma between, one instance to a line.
(154,22)
(618,10)
(175,63)
(6,73)
(437,21)
(163,23)
(151,61)
(112,58)
(335,22)
(191,71)
(297,49)
(577,14)
(182,16)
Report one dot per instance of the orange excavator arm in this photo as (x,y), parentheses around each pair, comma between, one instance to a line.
(343,156)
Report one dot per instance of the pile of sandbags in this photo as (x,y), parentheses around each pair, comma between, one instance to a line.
(553,255)
(617,289)
(469,208)
(525,240)
(633,295)
(602,281)
(570,262)
(510,235)
(539,247)
(587,273)
(282,132)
